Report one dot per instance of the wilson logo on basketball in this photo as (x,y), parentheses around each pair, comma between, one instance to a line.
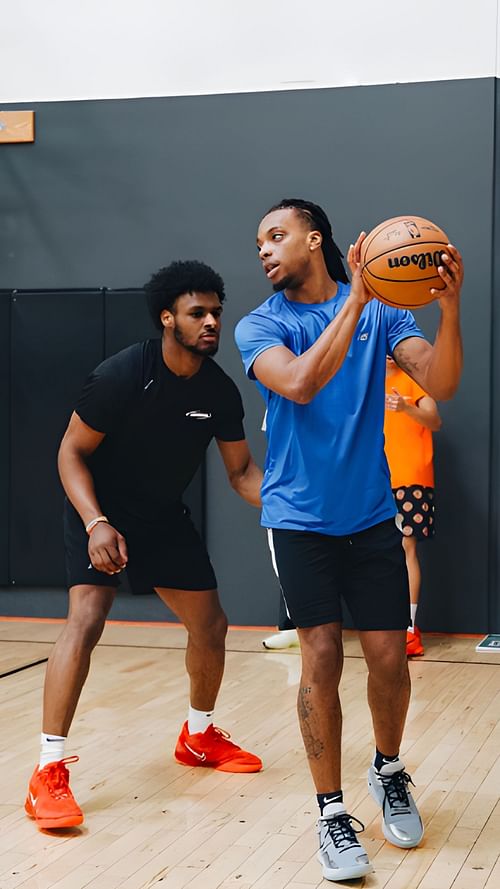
(421,260)
(400,260)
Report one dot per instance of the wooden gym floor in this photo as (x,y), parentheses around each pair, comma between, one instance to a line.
(153,823)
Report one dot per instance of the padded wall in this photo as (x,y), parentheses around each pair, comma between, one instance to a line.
(56,339)
(5,299)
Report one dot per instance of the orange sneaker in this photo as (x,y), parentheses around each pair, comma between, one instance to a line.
(414,647)
(212,749)
(50,801)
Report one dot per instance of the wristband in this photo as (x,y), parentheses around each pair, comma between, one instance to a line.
(91,525)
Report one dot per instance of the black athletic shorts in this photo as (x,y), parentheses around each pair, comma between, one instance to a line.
(366,569)
(170,555)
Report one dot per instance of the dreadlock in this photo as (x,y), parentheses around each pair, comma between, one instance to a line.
(317,220)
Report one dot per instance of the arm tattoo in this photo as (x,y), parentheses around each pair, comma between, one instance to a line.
(314,746)
(404,360)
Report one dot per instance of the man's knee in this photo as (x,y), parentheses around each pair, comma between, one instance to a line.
(87,617)
(211,632)
(390,667)
(322,654)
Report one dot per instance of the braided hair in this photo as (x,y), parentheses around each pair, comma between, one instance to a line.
(317,219)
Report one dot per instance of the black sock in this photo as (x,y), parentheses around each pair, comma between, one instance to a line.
(381,758)
(336,796)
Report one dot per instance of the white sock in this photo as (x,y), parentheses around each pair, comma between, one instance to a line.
(199,720)
(413,613)
(51,749)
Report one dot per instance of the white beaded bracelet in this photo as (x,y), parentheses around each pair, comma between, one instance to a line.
(91,525)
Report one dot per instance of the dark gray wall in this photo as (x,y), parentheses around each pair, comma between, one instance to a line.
(54,339)
(110,190)
(4,435)
(494,340)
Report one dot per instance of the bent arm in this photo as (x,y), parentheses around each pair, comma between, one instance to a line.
(438,368)
(244,475)
(79,442)
(107,547)
(300,377)
(425,413)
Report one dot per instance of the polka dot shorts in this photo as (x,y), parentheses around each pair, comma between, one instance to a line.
(415,505)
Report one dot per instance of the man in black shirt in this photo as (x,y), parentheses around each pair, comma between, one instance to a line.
(137,436)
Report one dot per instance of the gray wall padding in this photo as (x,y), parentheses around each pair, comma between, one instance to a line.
(5,302)
(56,338)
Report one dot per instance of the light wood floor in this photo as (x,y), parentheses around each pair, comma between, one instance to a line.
(153,823)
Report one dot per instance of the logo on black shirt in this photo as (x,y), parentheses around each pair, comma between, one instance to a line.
(198,415)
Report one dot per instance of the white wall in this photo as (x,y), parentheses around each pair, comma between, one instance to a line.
(88,49)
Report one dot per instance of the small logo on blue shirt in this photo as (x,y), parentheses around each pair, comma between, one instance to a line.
(363,338)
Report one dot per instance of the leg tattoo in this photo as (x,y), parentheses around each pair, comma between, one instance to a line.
(314,746)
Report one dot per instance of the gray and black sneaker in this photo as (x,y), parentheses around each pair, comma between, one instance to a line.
(340,854)
(401,823)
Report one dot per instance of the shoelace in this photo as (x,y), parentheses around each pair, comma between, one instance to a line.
(341,831)
(396,792)
(220,735)
(57,777)
(221,732)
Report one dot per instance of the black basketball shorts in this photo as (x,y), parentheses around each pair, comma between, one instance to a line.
(367,570)
(170,555)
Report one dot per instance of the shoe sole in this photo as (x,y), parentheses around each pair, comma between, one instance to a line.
(414,653)
(399,843)
(52,823)
(344,873)
(385,830)
(223,767)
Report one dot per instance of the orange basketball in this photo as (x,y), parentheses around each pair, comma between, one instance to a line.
(399,261)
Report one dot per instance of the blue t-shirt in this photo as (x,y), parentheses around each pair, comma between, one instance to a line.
(325,467)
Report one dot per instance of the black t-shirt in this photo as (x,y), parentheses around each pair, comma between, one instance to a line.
(157,427)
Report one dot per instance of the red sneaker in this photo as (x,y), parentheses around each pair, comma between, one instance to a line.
(212,749)
(414,647)
(50,801)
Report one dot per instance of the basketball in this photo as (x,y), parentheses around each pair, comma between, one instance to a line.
(400,259)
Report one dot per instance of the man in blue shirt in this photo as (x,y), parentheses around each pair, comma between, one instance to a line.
(317,351)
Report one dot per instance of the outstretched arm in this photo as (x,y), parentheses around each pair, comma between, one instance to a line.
(107,547)
(300,377)
(437,368)
(244,475)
